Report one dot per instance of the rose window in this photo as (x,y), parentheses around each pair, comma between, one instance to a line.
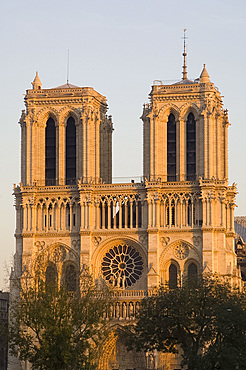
(122,266)
(181,251)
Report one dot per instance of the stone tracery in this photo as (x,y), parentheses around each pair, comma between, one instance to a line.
(122,266)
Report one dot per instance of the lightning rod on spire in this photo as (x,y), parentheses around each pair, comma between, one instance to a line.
(67,66)
(184,55)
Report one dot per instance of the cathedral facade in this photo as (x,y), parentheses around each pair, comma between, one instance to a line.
(178,221)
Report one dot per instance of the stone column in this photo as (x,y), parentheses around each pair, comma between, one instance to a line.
(103,215)
(71,215)
(126,213)
(109,214)
(181,213)
(120,214)
(136,202)
(170,213)
(131,214)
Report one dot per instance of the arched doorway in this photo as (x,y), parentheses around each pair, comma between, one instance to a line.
(116,357)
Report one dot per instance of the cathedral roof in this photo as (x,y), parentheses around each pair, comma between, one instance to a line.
(240,227)
(185,82)
(67,86)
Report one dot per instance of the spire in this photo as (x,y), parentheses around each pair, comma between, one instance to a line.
(204,77)
(36,84)
(184,55)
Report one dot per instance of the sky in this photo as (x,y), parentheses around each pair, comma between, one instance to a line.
(118,47)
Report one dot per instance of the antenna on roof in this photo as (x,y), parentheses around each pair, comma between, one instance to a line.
(184,54)
(67,66)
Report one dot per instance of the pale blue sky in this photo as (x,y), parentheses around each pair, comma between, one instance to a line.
(118,47)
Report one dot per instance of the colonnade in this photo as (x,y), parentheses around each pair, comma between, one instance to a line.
(47,215)
(126,211)
(124,310)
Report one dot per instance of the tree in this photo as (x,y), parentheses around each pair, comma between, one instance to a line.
(54,328)
(205,319)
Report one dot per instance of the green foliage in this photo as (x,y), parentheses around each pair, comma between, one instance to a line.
(206,320)
(56,329)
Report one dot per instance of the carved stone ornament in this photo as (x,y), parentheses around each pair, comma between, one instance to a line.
(196,240)
(76,245)
(164,240)
(181,251)
(143,239)
(58,254)
(96,240)
(39,245)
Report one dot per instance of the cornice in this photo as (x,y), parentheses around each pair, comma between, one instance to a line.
(39,190)
(230,234)
(110,232)
(214,229)
(158,98)
(166,230)
(207,229)
(64,101)
(47,234)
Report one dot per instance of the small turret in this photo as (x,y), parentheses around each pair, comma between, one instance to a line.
(204,77)
(36,84)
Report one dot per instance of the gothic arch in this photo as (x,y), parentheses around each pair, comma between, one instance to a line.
(70,275)
(58,254)
(108,350)
(179,252)
(188,108)
(172,246)
(110,358)
(165,270)
(189,262)
(67,112)
(44,114)
(167,110)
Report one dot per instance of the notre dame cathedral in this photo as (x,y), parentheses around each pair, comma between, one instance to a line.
(178,221)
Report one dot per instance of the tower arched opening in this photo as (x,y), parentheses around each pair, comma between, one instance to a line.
(70,151)
(50,152)
(191,148)
(171,148)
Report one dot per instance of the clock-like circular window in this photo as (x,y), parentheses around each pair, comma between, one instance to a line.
(122,266)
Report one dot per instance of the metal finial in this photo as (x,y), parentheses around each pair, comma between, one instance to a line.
(67,66)
(184,55)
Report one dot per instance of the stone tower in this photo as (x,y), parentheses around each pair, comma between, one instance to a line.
(179,220)
(185,160)
(66,140)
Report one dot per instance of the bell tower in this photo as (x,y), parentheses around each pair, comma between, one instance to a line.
(66,136)
(185,163)
(185,131)
(66,145)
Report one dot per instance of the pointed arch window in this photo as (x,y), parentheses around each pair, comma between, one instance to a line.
(50,152)
(70,151)
(173,276)
(192,272)
(171,148)
(70,278)
(191,148)
(51,277)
